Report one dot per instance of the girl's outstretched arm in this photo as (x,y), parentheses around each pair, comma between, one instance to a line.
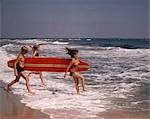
(70,64)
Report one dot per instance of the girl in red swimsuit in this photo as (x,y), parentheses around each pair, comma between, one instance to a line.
(73,68)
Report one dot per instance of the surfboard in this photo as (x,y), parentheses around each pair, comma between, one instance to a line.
(49,64)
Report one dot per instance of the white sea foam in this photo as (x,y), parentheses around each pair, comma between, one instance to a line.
(88,39)
(76,39)
(60,43)
(29,41)
(114,74)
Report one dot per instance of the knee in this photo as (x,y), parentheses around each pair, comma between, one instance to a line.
(29,74)
(26,78)
(16,80)
(77,84)
(82,78)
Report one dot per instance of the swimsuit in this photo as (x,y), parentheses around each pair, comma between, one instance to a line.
(37,54)
(19,69)
(75,67)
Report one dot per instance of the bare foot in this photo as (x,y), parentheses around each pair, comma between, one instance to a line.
(7,89)
(78,93)
(85,90)
(31,93)
(43,84)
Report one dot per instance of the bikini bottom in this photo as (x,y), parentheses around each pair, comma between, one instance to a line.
(20,69)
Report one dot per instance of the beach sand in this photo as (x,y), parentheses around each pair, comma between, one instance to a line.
(12,108)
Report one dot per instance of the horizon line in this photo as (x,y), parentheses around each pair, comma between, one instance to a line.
(68,38)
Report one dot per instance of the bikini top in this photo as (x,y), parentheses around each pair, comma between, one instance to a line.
(75,64)
(37,54)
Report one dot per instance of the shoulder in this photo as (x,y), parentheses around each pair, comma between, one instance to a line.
(20,55)
(73,59)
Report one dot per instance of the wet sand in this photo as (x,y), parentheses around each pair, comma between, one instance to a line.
(118,114)
(11,108)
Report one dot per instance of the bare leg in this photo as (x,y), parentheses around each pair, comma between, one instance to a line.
(33,73)
(40,74)
(41,77)
(27,82)
(29,74)
(13,82)
(83,84)
(76,81)
(82,80)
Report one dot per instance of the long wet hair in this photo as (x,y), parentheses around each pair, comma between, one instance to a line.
(72,52)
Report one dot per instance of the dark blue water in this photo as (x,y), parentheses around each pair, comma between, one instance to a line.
(102,42)
(124,43)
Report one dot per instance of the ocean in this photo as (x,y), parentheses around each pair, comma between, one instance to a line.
(118,78)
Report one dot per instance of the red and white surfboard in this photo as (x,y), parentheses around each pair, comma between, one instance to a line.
(49,64)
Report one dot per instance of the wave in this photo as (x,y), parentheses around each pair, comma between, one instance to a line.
(60,43)
(74,39)
(5,56)
(88,39)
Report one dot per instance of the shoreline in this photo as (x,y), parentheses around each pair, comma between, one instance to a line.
(12,108)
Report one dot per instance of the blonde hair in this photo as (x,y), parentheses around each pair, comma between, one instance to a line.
(24,48)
